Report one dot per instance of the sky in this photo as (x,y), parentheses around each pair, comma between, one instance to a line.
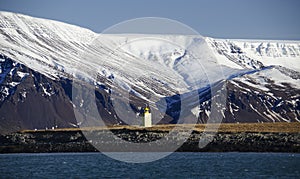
(231,19)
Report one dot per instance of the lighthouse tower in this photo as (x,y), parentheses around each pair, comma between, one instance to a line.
(147,121)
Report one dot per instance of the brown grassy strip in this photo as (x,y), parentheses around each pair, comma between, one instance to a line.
(293,127)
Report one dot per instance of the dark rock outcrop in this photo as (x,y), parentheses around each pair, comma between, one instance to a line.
(75,141)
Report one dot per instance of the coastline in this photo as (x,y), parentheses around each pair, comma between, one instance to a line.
(252,137)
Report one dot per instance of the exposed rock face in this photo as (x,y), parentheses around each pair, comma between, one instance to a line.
(249,104)
(36,102)
(74,141)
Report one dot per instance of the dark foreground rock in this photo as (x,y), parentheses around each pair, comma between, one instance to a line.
(75,141)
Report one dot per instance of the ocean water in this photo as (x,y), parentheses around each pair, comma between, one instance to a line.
(176,165)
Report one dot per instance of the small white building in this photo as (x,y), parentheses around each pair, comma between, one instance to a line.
(147,120)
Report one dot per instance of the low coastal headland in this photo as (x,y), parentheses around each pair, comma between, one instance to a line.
(229,137)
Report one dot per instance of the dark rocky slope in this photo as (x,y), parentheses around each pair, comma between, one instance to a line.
(36,102)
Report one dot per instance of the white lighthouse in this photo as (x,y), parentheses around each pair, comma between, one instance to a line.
(147,121)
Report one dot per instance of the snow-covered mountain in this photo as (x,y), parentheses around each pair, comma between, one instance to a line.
(41,58)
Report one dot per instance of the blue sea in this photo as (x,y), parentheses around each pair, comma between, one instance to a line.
(176,165)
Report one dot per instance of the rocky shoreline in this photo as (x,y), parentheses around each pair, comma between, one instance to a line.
(75,141)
